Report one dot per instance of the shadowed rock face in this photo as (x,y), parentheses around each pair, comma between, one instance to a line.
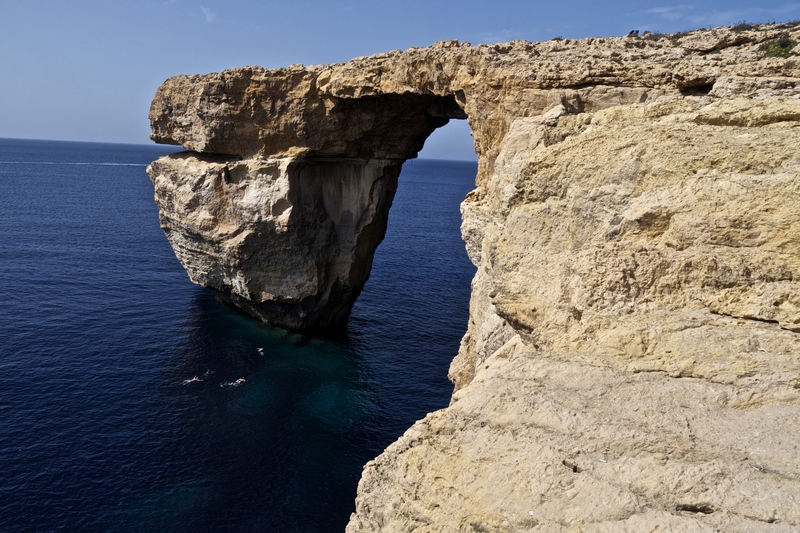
(631,361)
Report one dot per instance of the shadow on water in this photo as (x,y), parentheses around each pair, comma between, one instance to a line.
(288,441)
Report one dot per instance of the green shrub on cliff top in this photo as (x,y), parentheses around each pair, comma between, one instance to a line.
(779,47)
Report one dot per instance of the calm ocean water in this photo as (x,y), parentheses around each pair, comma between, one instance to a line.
(99,326)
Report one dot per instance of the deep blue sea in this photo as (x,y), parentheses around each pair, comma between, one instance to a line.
(100,325)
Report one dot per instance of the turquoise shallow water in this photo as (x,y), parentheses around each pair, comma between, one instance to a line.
(100,326)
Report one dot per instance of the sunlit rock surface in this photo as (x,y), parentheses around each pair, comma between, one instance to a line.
(632,361)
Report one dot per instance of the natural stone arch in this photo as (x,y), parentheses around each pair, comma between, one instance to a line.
(634,223)
(284,195)
(284,225)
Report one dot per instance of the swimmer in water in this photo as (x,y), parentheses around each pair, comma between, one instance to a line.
(261,351)
(232,383)
(209,372)
(187,381)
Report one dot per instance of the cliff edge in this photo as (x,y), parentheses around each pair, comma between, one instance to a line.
(632,361)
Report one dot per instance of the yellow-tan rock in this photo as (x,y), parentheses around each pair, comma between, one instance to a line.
(632,361)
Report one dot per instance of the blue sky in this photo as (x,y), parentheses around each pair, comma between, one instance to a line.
(87,70)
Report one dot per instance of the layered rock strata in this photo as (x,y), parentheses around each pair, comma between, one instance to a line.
(632,361)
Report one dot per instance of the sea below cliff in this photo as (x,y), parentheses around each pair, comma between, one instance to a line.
(100,326)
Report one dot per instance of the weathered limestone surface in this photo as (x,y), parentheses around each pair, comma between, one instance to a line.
(644,247)
(632,361)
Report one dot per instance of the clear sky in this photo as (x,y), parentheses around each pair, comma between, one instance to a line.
(86,70)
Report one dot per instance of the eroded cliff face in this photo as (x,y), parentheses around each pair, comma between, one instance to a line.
(632,361)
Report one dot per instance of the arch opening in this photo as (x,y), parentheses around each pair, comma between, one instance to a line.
(452,142)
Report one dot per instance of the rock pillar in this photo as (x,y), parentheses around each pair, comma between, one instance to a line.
(288,240)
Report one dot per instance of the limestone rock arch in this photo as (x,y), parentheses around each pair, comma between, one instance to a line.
(284,196)
(631,356)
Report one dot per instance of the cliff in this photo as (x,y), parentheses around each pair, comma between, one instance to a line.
(632,361)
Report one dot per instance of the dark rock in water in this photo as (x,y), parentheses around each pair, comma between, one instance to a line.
(289,241)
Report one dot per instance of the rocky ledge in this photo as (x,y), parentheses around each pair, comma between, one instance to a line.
(632,361)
